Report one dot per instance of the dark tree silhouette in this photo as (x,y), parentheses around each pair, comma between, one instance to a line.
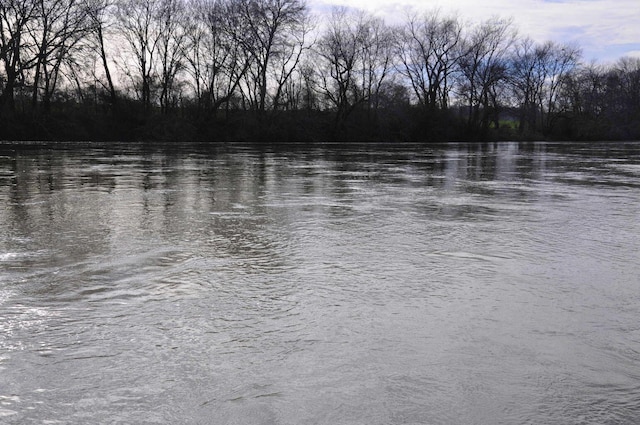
(265,69)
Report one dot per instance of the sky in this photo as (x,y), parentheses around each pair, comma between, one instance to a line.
(605,29)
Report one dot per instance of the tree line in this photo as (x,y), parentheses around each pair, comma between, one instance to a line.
(268,69)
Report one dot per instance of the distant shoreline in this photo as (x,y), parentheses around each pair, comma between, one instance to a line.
(169,144)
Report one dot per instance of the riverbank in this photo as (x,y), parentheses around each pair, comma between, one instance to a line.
(129,123)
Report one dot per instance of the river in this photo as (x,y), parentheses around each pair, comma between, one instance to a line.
(360,284)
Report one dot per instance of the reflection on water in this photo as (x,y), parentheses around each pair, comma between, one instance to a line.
(462,283)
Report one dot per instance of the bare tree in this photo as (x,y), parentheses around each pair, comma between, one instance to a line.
(62,26)
(275,30)
(527,78)
(377,61)
(286,60)
(339,50)
(17,18)
(355,58)
(610,97)
(483,66)
(536,74)
(137,21)
(171,39)
(561,61)
(627,76)
(99,12)
(428,52)
(300,92)
(215,55)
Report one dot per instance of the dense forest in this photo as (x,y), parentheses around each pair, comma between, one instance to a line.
(213,70)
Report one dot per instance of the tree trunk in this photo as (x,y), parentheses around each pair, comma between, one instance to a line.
(105,65)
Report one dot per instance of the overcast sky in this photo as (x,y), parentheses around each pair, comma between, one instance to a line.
(605,29)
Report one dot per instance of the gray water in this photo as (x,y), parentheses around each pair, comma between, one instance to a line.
(453,284)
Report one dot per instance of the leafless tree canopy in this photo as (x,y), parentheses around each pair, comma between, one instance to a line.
(239,68)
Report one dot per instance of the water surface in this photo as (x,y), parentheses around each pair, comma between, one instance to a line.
(453,284)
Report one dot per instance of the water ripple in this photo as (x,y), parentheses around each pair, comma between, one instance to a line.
(444,284)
